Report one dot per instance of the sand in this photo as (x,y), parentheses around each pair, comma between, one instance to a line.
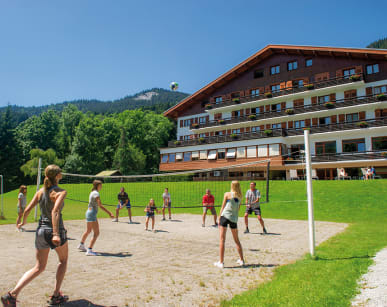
(172,267)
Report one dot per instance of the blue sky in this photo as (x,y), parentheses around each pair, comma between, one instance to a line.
(55,51)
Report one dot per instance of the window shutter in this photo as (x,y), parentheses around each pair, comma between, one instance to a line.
(298,102)
(314,121)
(212,99)
(283,105)
(290,125)
(282,85)
(242,112)
(289,84)
(347,94)
(314,100)
(181,137)
(247,129)
(267,108)
(207,134)
(334,119)
(362,115)
(332,97)
(242,93)
(261,110)
(268,126)
(211,133)
(369,90)
(283,125)
(341,118)
(262,127)
(207,118)
(321,76)
(181,123)
(305,80)
(247,111)
(307,122)
(229,131)
(359,69)
(384,112)
(242,130)
(267,89)
(227,97)
(261,90)
(353,93)
(339,73)
(196,120)
(378,113)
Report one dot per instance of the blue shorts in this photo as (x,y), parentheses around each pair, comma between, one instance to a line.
(91,215)
(150,214)
(128,206)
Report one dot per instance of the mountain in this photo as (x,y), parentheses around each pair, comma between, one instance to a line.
(156,99)
(379,44)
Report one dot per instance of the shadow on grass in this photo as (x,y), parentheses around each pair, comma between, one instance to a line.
(83,303)
(344,258)
(119,255)
(252,265)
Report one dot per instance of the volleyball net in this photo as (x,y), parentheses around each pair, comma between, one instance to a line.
(186,188)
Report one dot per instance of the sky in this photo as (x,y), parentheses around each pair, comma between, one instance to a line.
(56,51)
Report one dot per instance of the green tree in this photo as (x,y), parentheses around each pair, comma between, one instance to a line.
(379,44)
(30,168)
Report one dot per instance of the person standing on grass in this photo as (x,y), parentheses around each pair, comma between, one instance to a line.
(229,216)
(150,214)
(166,203)
(123,200)
(49,234)
(252,205)
(91,218)
(21,205)
(208,204)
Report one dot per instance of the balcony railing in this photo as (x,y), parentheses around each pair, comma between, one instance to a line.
(344,156)
(339,103)
(376,122)
(291,90)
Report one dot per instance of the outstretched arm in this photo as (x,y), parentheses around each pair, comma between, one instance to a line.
(103,208)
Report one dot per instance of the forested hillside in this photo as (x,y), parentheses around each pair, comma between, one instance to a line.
(380,44)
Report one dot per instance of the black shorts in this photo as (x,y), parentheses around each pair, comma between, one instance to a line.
(250,210)
(224,222)
(43,238)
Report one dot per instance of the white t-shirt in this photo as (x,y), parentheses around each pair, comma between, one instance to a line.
(23,200)
(93,200)
(167,196)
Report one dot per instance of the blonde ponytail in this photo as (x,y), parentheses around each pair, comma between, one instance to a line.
(51,172)
(236,189)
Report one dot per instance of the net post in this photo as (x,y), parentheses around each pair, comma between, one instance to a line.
(2,200)
(267,181)
(310,194)
(38,185)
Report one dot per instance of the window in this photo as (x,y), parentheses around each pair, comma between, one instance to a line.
(202,120)
(298,83)
(325,147)
(221,153)
(236,131)
(299,124)
(218,99)
(203,155)
(324,121)
(352,117)
(276,126)
(258,73)
(235,95)
(308,62)
(296,150)
(292,65)
(262,150)
(275,88)
(212,155)
(236,113)
(276,107)
(379,143)
(254,110)
(231,153)
(254,92)
(218,132)
(323,99)
(187,156)
(241,152)
(179,156)
(274,150)
(372,69)
(275,70)
(187,123)
(202,135)
(164,158)
(251,152)
(380,89)
(172,158)
(195,155)
(348,72)
(255,129)
(186,137)
(353,145)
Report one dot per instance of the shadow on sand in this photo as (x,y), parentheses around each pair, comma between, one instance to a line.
(83,303)
(251,265)
(119,255)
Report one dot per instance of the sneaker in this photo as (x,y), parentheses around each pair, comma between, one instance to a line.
(163,219)
(114,220)
(247,230)
(203,225)
(240,262)
(215,225)
(91,253)
(264,230)
(219,264)
(130,222)
(170,218)
(8,300)
(57,300)
(82,247)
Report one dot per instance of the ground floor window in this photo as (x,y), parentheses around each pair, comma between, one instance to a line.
(354,145)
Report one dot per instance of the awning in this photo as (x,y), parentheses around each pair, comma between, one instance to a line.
(230,153)
(203,155)
(212,155)
(179,156)
(195,154)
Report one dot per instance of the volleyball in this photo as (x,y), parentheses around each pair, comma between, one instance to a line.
(174,86)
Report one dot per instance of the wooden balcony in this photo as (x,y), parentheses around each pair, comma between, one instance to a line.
(270,133)
(290,90)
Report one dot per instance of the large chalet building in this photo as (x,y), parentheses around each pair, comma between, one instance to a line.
(259,110)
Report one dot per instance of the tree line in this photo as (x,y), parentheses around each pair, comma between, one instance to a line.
(84,143)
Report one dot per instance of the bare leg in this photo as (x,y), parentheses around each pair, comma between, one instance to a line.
(95,227)
(215,218)
(41,261)
(130,214)
(247,220)
(169,211)
(261,221)
(222,232)
(117,212)
(237,242)
(146,223)
(19,217)
(87,232)
(163,213)
(153,222)
(63,254)
(204,217)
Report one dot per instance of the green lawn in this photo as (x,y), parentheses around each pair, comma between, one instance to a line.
(331,280)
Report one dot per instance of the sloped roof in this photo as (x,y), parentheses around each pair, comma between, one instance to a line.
(380,54)
(109,173)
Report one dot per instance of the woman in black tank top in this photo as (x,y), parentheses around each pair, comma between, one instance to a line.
(50,234)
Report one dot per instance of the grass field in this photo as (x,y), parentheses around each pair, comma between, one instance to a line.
(331,280)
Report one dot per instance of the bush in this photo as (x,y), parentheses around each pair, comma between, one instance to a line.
(329,105)
(252,116)
(208,106)
(289,111)
(236,100)
(221,121)
(268,95)
(362,124)
(309,86)
(195,126)
(234,136)
(201,140)
(381,97)
(268,132)
(354,77)
(177,143)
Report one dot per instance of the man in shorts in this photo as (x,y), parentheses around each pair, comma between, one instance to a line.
(208,204)
(252,205)
(166,203)
(123,200)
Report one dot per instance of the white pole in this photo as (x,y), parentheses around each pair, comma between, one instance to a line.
(38,185)
(2,203)
(310,193)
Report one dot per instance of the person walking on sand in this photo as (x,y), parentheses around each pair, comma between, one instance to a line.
(91,218)
(166,203)
(208,204)
(252,205)
(229,216)
(50,234)
(150,214)
(21,205)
